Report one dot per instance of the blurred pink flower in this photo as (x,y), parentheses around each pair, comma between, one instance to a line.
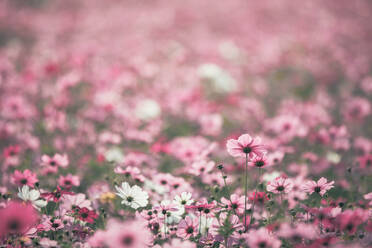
(17,218)
(261,238)
(68,181)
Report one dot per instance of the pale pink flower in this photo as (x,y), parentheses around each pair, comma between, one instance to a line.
(68,181)
(261,238)
(320,187)
(57,160)
(187,227)
(78,200)
(245,145)
(24,178)
(236,203)
(280,185)
(131,234)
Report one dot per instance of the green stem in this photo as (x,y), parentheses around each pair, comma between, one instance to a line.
(255,195)
(200,222)
(245,192)
(228,191)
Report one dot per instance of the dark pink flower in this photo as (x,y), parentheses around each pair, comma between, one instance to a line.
(86,215)
(259,197)
(56,195)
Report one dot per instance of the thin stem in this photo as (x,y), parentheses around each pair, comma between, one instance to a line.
(165,225)
(200,216)
(228,191)
(245,192)
(255,195)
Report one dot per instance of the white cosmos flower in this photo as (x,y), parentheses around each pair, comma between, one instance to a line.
(147,109)
(32,196)
(220,80)
(183,199)
(115,155)
(134,196)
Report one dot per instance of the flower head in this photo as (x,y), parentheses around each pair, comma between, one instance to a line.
(31,196)
(57,160)
(259,161)
(280,185)
(133,196)
(261,238)
(85,214)
(24,178)
(187,227)
(320,187)
(17,218)
(130,234)
(245,145)
(56,195)
(235,203)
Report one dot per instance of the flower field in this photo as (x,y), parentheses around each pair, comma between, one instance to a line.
(186,124)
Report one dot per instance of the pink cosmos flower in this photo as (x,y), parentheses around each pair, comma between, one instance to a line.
(203,207)
(187,227)
(57,160)
(368,197)
(211,124)
(259,162)
(76,200)
(24,178)
(17,218)
(320,187)
(356,109)
(261,238)
(365,162)
(11,151)
(201,167)
(54,224)
(132,234)
(233,222)
(298,233)
(245,145)
(68,181)
(280,185)
(259,197)
(56,195)
(236,203)
(165,208)
(349,220)
(85,214)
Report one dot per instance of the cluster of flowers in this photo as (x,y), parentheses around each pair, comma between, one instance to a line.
(124,124)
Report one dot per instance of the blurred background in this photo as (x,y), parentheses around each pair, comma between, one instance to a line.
(176,62)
